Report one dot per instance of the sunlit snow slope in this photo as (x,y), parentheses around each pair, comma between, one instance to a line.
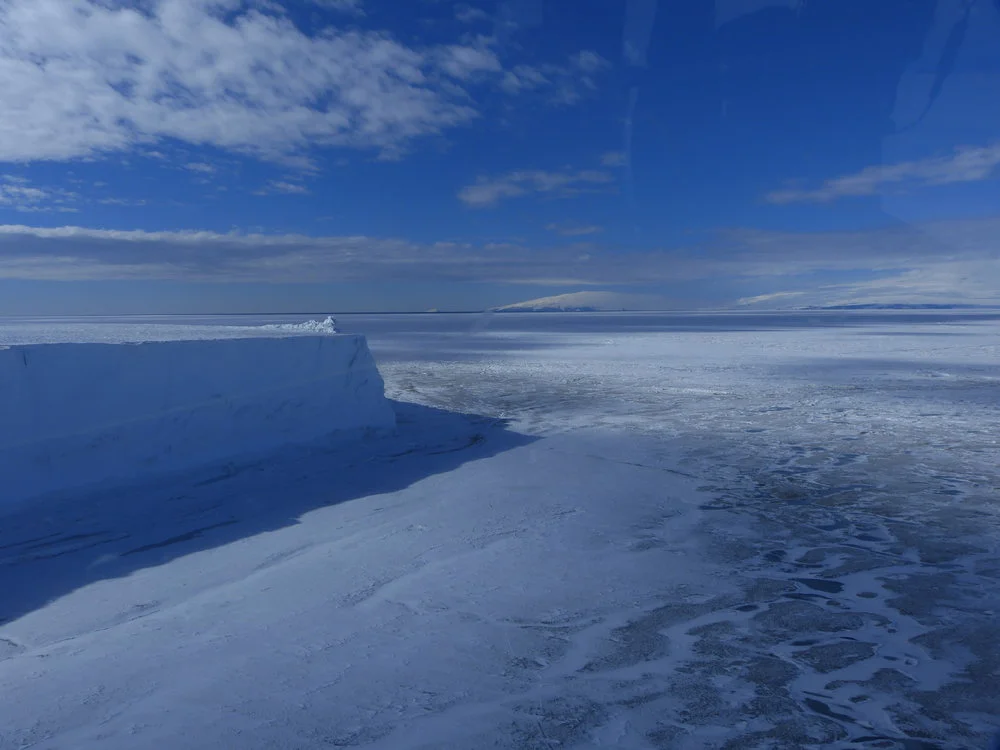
(73,414)
(589,302)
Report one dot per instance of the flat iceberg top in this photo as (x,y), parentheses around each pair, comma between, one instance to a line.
(27,331)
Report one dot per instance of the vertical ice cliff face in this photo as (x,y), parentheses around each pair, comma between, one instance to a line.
(76,414)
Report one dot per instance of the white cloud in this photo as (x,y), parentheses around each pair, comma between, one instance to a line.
(574,230)
(352,7)
(564,84)
(200,166)
(121,202)
(767,298)
(964,281)
(16,193)
(953,261)
(79,78)
(12,195)
(966,164)
(469,14)
(464,62)
(77,253)
(589,61)
(614,159)
(523,78)
(488,191)
(730,10)
(281,186)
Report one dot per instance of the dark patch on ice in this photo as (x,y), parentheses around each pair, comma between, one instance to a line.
(64,539)
(822,708)
(644,545)
(833,656)
(847,458)
(29,541)
(472,441)
(9,648)
(229,474)
(796,617)
(804,597)
(72,550)
(820,584)
(561,722)
(667,737)
(903,743)
(185,537)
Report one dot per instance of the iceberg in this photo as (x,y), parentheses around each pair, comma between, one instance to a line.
(79,414)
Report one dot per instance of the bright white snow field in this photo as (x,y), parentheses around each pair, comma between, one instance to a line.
(587,531)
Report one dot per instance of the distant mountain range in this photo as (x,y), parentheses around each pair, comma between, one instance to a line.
(589,302)
(623,302)
(896,306)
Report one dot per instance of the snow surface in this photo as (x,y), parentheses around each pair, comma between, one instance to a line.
(77,414)
(620,531)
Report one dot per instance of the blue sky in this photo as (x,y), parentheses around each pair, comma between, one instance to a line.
(312,155)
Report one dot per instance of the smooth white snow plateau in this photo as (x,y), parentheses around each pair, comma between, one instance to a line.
(78,414)
(638,532)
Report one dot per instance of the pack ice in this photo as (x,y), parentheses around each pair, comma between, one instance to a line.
(77,414)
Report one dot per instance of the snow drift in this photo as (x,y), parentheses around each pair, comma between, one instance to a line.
(75,414)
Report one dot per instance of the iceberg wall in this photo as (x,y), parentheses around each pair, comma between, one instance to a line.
(78,414)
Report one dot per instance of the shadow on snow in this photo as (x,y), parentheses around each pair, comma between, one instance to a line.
(52,546)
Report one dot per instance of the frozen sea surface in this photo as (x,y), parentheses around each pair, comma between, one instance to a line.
(629,531)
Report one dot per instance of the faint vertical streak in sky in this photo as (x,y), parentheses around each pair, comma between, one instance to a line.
(946,63)
(639,18)
(633,99)
(640,15)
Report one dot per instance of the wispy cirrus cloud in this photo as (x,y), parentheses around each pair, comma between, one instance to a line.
(953,261)
(72,253)
(768,298)
(574,230)
(614,159)
(470,14)
(17,193)
(489,191)
(351,7)
(464,61)
(230,74)
(966,164)
(283,186)
(561,84)
(122,202)
(200,167)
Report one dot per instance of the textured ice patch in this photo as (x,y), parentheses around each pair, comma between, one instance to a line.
(328,325)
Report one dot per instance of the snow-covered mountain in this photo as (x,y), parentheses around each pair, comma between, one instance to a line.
(589,302)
